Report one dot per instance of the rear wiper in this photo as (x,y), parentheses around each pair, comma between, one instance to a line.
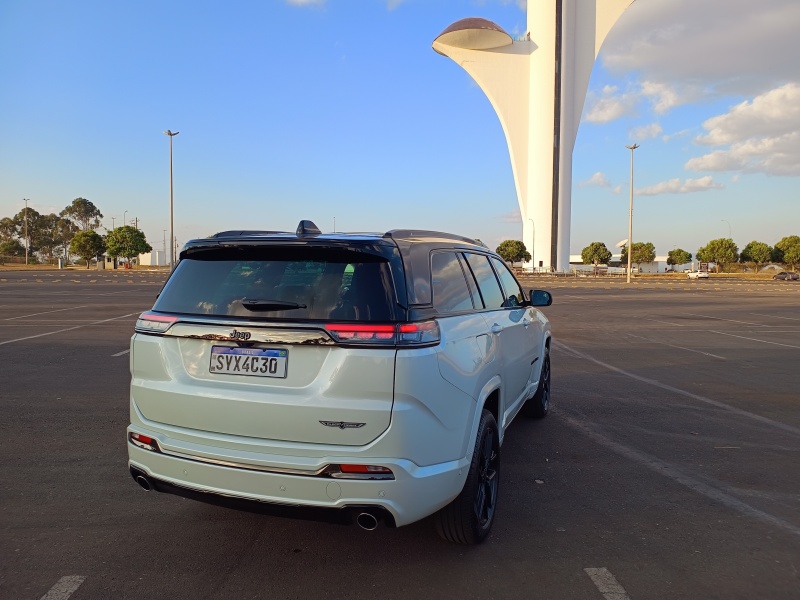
(257,305)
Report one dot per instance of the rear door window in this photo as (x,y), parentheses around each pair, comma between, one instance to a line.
(282,283)
(513,293)
(450,291)
(488,285)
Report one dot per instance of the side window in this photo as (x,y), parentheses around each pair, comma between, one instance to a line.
(487,281)
(513,293)
(450,291)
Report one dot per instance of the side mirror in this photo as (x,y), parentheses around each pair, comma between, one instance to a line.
(540,298)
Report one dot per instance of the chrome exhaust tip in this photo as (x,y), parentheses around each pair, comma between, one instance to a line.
(143,481)
(367,521)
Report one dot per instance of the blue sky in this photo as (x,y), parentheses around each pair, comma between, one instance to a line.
(304,109)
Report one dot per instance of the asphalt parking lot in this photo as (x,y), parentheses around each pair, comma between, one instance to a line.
(668,468)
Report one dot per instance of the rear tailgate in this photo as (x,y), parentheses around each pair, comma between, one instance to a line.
(317,392)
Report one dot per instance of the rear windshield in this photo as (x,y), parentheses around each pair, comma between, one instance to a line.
(282,283)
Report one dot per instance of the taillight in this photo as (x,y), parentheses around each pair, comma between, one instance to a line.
(144,441)
(153,323)
(401,334)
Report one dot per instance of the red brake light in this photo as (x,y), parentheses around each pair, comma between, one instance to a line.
(144,441)
(365,469)
(403,334)
(149,322)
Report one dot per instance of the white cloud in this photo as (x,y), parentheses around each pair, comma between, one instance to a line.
(772,113)
(732,46)
(662,96)
(609,105)
(774,156)
(676,186)
(762,136)
(515,216)
(598,179)
(646,132)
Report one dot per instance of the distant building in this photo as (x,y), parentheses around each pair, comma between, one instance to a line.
(156,258)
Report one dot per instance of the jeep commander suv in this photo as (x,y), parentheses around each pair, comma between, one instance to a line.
(345,377)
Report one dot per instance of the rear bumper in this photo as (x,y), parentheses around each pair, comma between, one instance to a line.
(344,515)
(415,493)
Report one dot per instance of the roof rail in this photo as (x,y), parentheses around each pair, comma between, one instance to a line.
(239,232)
(399,234)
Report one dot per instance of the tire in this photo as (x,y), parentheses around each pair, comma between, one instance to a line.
(468,519)
(538,405)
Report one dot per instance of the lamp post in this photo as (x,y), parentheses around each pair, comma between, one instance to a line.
(730,235)
(26,230)
(112,223)
(171,135)
(124,212)
(630,215)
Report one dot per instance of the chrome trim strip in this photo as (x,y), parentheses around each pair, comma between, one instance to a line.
(247,467)
(281,470)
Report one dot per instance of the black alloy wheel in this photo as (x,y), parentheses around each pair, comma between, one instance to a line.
(468,519)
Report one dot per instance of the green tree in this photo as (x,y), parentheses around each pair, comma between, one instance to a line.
(721,251)
(757,253)
(87,244)
(513,251)
(126,241)
(595,254)
(678,257)
(35,227)
(11,248)
(8,229)
(85,214)
(787,251)
(642,252)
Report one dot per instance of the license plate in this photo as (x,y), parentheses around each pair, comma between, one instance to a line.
(257,362)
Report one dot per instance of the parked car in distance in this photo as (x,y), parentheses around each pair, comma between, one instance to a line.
(697,274)
(787,276)
(339,377)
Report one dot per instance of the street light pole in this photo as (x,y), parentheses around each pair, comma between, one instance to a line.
(112,223)
(26,230)
(124,212)
(630,215)
(730,235)
(171,135)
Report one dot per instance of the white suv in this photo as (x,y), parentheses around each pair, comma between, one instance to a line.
(344,377)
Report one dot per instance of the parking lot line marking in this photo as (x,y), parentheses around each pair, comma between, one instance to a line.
(674,473)
(45,313)
(121,353)
(668,323)
(775,317)
(777,424)
(754,339)
(30,337)
(607,584)
(729,320)
(64,588)
(678,347)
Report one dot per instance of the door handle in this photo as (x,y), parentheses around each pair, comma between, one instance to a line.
(525,322)
(496,328)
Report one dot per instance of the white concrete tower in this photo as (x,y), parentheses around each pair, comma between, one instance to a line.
(537,87)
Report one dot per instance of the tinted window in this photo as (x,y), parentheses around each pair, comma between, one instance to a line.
(323,283)
(513,293)
(487,281)
(450,291)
